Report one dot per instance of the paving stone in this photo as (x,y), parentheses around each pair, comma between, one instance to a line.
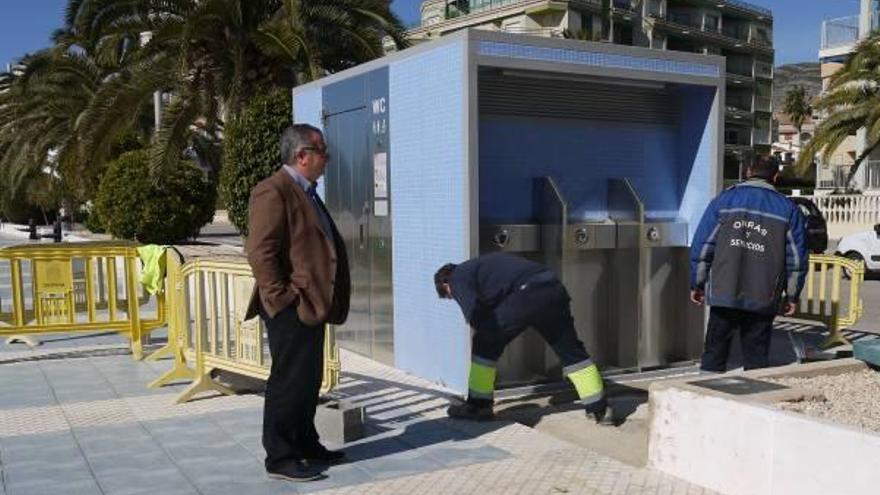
(400,464)
(265,486)
(131,460)
(129,481)
(52,487)
(338,476)
(138,441)
(58,473)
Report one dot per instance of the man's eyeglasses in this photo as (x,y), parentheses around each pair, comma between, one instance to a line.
(318,151)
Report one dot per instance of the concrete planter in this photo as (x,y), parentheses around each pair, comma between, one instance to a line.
(743,445)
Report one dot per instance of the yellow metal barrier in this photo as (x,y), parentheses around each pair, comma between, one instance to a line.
(75,287)
(207,298)
(825,300)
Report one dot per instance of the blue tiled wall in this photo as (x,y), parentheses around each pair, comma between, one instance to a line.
(428,186)
(697,144)
(661,161)
(580,156)
(581,57)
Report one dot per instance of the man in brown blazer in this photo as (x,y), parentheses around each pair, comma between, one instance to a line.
(302,282)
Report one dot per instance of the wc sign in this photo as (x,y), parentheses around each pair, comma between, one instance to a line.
(380,115)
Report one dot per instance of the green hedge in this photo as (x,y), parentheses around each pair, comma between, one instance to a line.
(252,151)
(131,206)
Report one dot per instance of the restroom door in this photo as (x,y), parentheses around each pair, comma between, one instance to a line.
(348,190)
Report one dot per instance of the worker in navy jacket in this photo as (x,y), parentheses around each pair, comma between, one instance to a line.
(748,255)
(502,295)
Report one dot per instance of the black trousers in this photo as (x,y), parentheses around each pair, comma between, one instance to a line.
(292,390)
(544,307)
(755,330)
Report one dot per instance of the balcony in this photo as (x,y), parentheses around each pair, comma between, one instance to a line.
(739,33)
(763,104)
(737,115)
(739,81)
(461,8)
(747,7)
(761,136)
(731,35)
(764,70)
(684,20)
(623,10)
(842,32)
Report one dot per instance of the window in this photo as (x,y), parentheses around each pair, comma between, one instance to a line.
(587,25)
(712,22)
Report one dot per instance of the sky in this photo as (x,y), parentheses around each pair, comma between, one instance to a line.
(27,25)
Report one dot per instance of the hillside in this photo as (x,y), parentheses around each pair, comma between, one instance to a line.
(804,74)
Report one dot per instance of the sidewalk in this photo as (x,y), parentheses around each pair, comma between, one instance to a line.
(76,417)
(18,231)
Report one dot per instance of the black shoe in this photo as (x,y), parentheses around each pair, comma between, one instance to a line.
(601,412)
(466,410)
(323,455)
(296,471)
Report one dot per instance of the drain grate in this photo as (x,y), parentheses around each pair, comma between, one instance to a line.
(738,385)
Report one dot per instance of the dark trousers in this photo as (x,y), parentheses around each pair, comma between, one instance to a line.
(544,307)
(754,333)
(292,390)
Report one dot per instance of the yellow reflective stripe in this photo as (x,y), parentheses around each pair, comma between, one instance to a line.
(481,379)
(587,381)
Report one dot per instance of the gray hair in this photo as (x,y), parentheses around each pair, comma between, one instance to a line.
(295,137)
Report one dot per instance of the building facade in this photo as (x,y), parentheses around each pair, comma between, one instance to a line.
(740,31)
(839,39)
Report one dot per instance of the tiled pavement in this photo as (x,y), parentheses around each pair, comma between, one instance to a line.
(76,418)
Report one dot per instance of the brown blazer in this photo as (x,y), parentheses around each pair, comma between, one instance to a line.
(292,259)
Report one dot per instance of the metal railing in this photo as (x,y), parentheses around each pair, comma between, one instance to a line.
(763,104)
(207,331)
(822,298)
(739,68)
(764,70)
(840,32)
(547,32)
(740,33)
(623,5)
(748,6)
(475,6)
(77,287)
(684,20)
(761,135)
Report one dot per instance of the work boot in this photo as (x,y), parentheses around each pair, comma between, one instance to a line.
(601,412)
(472,410)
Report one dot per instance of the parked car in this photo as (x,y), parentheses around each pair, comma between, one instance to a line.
(863,246)
(817,228)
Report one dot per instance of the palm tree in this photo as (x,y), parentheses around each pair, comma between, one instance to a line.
(797,106)
(211,56)
(40,106)
(851,103)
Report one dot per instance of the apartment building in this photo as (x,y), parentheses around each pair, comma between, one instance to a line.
(740,31)
(839,39)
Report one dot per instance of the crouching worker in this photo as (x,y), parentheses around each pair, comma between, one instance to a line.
(502,295)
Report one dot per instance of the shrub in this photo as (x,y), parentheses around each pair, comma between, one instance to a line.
(93,222)
(174,208)
(252,151)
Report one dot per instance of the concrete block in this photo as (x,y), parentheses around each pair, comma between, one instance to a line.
(867,351)
(340,422)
